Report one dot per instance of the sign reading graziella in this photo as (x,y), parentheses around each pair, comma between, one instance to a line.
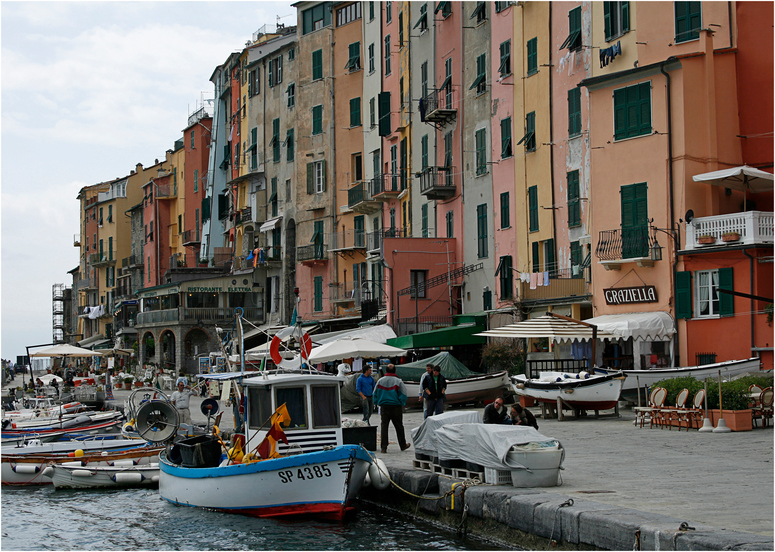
(623,296)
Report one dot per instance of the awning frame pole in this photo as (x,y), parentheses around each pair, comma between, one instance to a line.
(594,334)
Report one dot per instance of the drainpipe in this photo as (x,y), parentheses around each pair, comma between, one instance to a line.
(551,142)
(750,269)
(332,130)
(670,188)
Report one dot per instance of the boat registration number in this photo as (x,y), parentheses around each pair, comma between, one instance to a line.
(307,472)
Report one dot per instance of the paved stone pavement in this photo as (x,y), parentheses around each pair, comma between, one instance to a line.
(719,480)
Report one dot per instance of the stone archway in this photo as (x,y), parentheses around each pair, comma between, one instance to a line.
(195,344)
(147,347)
(167,353)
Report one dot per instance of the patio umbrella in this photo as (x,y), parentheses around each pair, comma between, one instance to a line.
(65,350)
(48,378)
(745,178)
(347,347)
(556,327)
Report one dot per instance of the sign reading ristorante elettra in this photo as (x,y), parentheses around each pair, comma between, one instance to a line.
(623,296)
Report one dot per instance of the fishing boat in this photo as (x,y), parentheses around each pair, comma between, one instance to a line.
(474,389)
(647,378)
(85,422)
(43,407)
(27,468)
(309,470)
(583,390)
(66,476)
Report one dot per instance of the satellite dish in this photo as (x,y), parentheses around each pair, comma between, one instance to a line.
(157,421)
(689,217)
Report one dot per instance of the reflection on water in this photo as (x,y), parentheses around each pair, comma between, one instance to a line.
(40,518)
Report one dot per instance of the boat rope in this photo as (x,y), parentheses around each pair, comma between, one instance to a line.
(568,502)
(465,483)
(461,528)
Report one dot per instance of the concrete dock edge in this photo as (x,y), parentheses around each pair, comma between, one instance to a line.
(531,517)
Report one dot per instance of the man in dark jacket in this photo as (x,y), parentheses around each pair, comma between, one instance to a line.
(522,416)
(434,389)
(495,412)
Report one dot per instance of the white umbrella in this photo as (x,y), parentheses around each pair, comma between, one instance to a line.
(48,378)
(65,350)
(348,347)
(745,178)
(556,329)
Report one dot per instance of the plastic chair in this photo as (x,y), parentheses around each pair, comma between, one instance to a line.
(667,415)
(764,408)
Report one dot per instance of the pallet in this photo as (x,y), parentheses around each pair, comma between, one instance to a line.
(456,473)
(422,465)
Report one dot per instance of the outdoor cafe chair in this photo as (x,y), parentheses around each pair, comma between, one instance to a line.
(642,412)
(695,412)
(763,410)
(669,414)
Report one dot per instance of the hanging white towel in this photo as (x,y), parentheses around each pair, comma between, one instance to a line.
(358,364)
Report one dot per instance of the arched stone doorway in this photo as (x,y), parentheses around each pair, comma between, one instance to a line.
(196,345)
(147,347)
(167,342)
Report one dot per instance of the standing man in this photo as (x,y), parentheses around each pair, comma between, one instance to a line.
(364,385)
(390,395)
(428,373)
(435,388)
(180,399)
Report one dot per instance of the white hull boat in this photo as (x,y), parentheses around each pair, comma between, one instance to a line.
(321,483)
(647,378)
(486,387)
(84,422)
(589,392)
(100,477)
(27,469)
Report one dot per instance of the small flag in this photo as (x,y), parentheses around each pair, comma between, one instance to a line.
(293,317)
(280,417)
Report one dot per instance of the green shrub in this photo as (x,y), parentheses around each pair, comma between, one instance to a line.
(734,393)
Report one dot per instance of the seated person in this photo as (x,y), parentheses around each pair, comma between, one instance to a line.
(522,416)
(495,413)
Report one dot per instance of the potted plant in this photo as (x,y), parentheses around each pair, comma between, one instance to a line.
(128,383)
(730,236)
(706,239)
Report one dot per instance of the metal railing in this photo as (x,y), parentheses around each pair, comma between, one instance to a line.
(386,183)
(533,368)
(104,258)
(349,239)
(191,236)
(624,243)
(437,179)
(314,252)
(359,193)
(439,99)
(166,190)
(203,315)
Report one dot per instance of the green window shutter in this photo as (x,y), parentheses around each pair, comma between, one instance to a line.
(481,157)
(625,15)
(223,206)
(505,138)
(310,178)
(688,18)
(574,207)
(323,163)
(620,113)
(384,113)
(505,214)
(424,151)
(196,180)
(317,119)
(726,300)
(276,140)
(532,56)
(317,65)
(354,57)
(644,105)
(536,259)
(425,220)
(318,294)
(532,194)
(271,72)
(110,248)
(551,263)
(574,111)
(505,277)
(481,230)
(683,294)
(505,66)
(530,122)
(607,19)
(575,254)
(355,112)
(205,209)
(289,145)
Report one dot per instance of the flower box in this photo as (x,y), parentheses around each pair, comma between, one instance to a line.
(706,240)
(730,236)
(736,420)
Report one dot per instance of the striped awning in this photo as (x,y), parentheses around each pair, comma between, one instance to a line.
(557,329)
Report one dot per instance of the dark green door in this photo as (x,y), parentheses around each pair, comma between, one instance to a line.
(635,222)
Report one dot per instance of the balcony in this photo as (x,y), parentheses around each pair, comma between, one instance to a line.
(243,215)
(134,261)
(439,105)
(564,283)
(267,256)
(437,182)
(386,186)
(196,316)
(359,198)
(105,258)
(374,242)
(166,191)
(191,238)
(345,292)
(349,240)
(752,228)
(312,253)
(87,284)
(77,240)
(625,245)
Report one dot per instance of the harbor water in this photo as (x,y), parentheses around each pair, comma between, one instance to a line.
(41,518)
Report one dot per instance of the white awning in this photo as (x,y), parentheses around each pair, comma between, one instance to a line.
(643,326)
(740,178)
(271,224)
(380,334)
(91,340)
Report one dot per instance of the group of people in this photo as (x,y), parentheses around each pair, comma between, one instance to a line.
(497,413)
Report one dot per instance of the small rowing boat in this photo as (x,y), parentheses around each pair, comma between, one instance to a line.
(583,390)
(65,476)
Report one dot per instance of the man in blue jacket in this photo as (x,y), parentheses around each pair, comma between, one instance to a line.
(364,386)
(390,396)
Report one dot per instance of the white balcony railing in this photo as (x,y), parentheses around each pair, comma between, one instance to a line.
(754,227)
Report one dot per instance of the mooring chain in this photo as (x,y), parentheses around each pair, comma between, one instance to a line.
(568,502)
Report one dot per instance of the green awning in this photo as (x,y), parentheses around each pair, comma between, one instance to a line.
(445,337)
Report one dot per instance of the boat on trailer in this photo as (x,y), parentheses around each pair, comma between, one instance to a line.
(583,390)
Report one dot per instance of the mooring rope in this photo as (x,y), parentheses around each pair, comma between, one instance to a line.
(568,502)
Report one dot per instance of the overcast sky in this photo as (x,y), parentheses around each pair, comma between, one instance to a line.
(90,89)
